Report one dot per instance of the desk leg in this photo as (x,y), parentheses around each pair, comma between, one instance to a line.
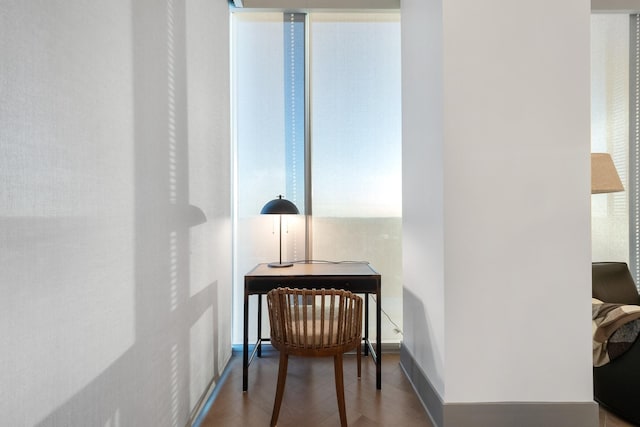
(259,325)
(378,340)
(366,325)
(245,342)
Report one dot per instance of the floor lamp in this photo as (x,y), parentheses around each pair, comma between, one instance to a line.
(604,176)
(280,207)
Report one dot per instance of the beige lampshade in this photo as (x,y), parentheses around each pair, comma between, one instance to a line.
(604,176)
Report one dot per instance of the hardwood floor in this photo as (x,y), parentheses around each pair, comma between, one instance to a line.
(310,399)
(310,394)
(608,419)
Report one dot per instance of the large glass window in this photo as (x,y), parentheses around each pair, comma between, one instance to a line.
(356,146)
(317,119)
(610,131)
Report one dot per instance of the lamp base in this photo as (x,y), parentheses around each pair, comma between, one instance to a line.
(280,264)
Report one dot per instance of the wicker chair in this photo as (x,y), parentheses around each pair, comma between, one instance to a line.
(315,323)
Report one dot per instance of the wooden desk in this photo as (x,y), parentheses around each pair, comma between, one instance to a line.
(358,278)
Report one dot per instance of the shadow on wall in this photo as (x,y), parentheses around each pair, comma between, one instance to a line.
(422,363)
(149,384)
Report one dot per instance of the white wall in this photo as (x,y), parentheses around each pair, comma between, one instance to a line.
(514,260)
(422,186)
(114,210)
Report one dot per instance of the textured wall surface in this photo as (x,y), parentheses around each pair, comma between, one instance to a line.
(115,247)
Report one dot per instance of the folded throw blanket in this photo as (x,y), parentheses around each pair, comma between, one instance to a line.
(615,329)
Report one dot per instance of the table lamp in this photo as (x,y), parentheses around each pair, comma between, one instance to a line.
(280,207)
(604,176)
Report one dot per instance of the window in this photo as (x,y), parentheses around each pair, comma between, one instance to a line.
(317,118)
(615,87)
(610,131)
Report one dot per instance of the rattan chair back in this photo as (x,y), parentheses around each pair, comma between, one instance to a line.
(314,322)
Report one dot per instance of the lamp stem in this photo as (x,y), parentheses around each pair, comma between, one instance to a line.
(280,238)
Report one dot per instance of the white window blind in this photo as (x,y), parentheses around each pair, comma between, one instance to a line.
(342,166)
(610,131)
(634,147)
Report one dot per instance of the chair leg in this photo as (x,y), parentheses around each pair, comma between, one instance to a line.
(359,358)
(282,377)
(337,366)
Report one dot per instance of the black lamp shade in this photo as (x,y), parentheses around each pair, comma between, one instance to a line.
(279,206)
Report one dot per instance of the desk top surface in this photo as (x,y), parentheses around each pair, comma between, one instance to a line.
(315,269)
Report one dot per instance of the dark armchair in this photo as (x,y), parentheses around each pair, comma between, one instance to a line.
(617,384)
